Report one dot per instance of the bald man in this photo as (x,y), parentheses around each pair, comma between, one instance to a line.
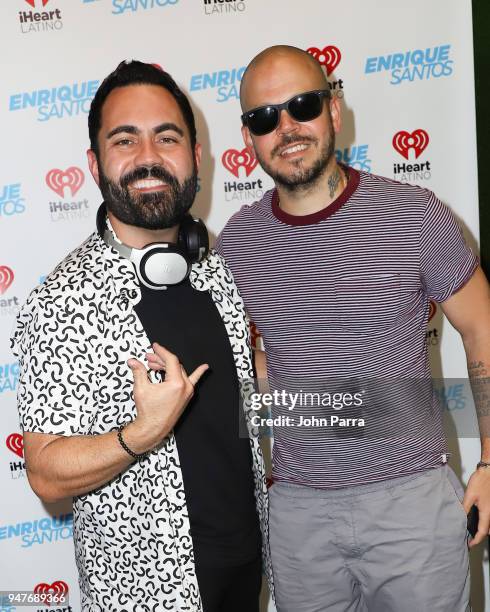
(337,269)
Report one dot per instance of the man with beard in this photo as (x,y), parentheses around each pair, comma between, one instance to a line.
(336,268)
(166,493)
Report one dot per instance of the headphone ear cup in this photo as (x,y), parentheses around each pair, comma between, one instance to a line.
(200,233)
(193,237)
(101,220)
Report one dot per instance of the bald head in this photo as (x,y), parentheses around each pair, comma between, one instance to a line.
(278,69)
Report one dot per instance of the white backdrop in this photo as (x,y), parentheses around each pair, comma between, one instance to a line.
(405,76)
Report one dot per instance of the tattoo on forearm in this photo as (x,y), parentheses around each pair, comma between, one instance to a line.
(477,369)
(480,386)
(333,182)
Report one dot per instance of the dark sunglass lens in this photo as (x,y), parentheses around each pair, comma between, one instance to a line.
(263,120)
(305,107)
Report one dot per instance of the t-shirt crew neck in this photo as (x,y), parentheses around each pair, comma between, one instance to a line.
(352,184)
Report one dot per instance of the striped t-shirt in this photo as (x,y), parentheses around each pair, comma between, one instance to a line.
(341,299)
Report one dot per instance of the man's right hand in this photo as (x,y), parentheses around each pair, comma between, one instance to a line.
(159,405)
(61,466)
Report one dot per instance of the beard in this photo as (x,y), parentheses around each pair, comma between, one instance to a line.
(153,211)
(300,177)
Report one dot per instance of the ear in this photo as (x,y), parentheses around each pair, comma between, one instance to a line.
(93,165)
(197,155)
(247,139)
(336,114)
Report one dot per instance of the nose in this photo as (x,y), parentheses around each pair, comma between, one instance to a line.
(147,153)
(286,123)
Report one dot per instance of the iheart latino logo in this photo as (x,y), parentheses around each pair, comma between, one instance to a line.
(33,2)
(6,278)
(58,181)
(404,141)
(432,309)
(329,57)
(254,335)
(56,588)
(15,443)
(233,160)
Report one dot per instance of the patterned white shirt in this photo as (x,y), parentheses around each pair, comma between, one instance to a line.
(73,338)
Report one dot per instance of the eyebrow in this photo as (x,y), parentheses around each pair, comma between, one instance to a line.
(127,129)
(164,127)
(131,129)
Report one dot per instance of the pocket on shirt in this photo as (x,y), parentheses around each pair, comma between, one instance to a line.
(370,303)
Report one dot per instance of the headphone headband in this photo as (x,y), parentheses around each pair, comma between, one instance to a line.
(161,264)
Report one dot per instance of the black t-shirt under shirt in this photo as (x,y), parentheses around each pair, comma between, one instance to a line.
(216,463)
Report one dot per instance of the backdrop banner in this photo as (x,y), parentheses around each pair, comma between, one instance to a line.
(403,73)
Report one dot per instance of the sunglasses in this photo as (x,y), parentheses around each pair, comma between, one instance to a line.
(302,107)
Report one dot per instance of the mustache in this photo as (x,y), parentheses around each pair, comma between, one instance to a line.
(145,172)
(290,140)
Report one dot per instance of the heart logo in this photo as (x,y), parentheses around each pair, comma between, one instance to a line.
(15,443)
(329,57)
(33,3)
(57,588)
(417,140)
(58,181)
(254,334)
(6,278)
(432,309)
(233,160)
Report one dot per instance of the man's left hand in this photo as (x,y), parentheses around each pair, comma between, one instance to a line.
(478,493)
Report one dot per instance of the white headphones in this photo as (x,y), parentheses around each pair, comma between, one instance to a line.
(160,264)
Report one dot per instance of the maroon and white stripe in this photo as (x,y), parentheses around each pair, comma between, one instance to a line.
(343,294)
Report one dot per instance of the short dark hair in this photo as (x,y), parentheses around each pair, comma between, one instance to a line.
(137,73)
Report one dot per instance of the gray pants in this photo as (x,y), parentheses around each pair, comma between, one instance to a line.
(396,546)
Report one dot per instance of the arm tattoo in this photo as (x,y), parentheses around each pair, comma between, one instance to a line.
(480,386)
(333,182)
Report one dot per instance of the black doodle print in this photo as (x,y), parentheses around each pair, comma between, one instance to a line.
(73,338)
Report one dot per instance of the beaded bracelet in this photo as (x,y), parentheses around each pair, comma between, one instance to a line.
(126,447)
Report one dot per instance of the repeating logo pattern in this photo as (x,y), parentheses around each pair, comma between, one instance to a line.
(329,57)
(355,156)
(411,146)
(432,335)
(218,7)
(66,100)
(404,141)
(233,160)
(432,310)
(15,443)
(413,65)
(59,180)
(6,278)
(11,200)
(243,190)
(39,20)
(59,587)
(120,7)
(226,82)
(255,335)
